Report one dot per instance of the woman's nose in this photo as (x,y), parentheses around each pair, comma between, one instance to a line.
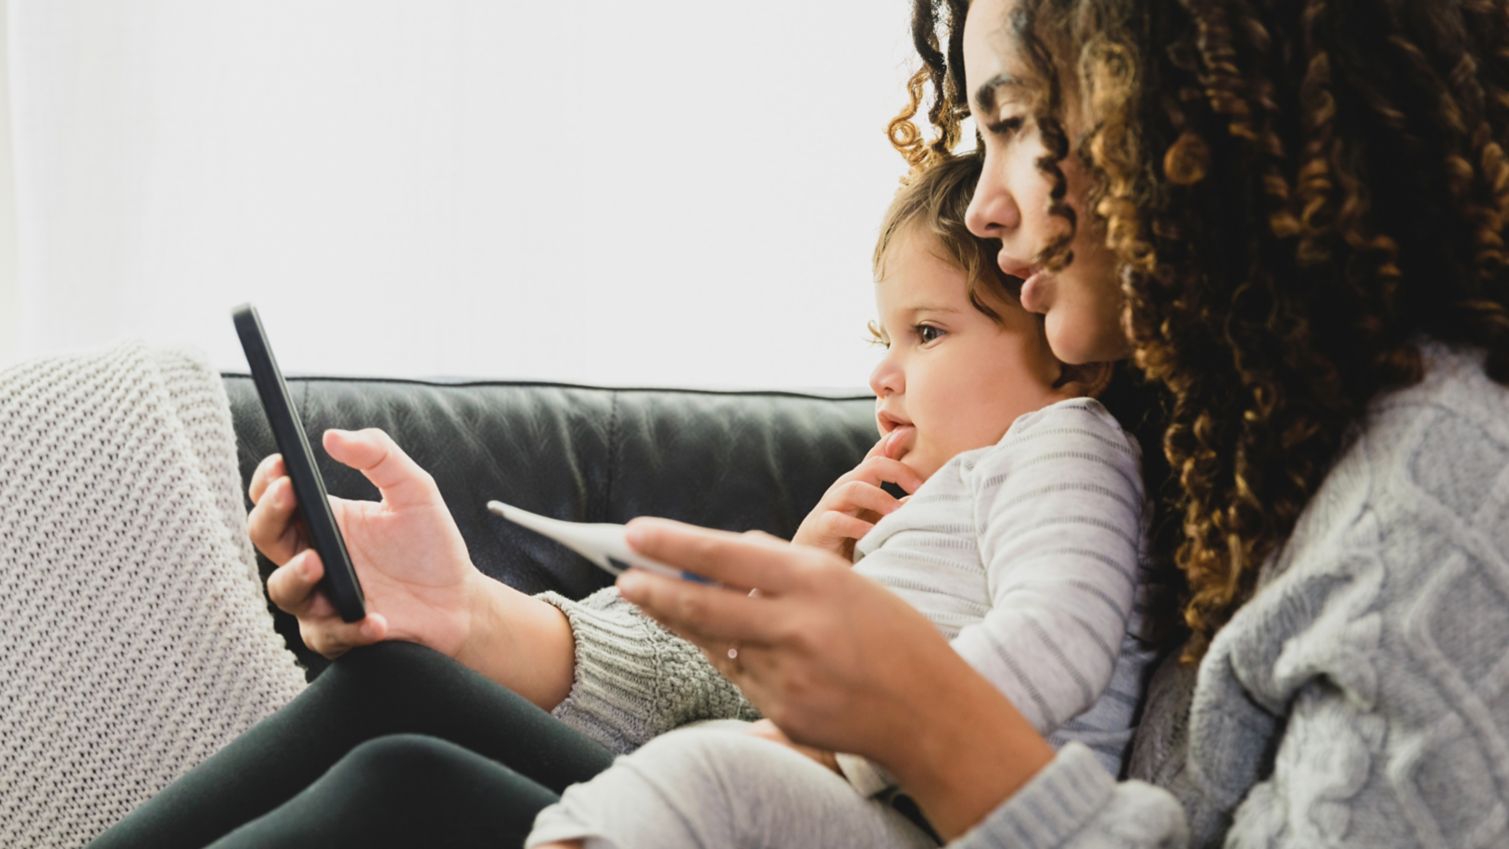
(992,212)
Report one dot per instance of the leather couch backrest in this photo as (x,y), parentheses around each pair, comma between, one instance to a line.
(733,460)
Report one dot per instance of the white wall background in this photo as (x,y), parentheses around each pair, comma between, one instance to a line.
(668,192)
(10,300)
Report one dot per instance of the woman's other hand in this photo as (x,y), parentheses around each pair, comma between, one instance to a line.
(837,661)
(856,501)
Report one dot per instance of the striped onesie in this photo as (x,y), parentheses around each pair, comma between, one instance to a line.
(1025,554)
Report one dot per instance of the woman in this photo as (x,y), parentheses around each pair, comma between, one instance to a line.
(1305,208)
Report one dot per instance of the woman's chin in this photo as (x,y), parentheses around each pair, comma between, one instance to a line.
(1079,340)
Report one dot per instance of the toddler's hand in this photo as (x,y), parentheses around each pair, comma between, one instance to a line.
(767,730)
(855,502)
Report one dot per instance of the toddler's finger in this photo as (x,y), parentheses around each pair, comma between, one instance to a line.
(862,495)
(878,449)
(842,526)
(878,470)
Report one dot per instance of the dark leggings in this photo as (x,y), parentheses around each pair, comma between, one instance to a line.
(393,745)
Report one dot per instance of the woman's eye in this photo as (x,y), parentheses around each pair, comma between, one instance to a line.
(928,333)
(1006,127)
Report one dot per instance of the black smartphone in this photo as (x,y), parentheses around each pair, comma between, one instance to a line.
(340,583)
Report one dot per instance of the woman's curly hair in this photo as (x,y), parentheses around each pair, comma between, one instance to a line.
(1298,193)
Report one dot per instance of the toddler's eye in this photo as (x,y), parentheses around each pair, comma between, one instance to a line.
(876,337)
(928,333)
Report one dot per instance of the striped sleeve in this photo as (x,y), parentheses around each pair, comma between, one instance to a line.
(1059,512)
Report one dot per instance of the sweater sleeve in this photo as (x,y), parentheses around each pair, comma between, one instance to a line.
(1058,506)
(1073,803)
(633,679)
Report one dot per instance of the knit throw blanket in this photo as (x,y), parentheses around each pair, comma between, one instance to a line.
(134,635)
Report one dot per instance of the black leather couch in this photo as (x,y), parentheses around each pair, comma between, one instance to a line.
(733,460)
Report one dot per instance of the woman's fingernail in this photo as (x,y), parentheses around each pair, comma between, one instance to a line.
(629,584)
(634,534)
(306,566)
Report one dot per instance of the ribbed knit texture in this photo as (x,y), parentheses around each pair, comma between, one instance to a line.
(634,679)
(1361,698)
(134,635)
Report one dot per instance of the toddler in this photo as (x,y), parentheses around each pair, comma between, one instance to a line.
(1020,541)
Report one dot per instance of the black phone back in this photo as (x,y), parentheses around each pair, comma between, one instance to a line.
(340,583)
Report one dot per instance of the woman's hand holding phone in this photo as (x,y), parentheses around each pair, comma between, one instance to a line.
(419,581)
(407,551)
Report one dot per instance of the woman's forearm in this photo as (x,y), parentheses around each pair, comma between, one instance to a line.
(970,751)
(521,642)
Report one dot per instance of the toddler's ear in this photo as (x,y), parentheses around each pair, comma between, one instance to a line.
(1088,380)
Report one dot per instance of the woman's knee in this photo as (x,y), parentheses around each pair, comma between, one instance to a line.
(391,672)
(407,756)
(392,657)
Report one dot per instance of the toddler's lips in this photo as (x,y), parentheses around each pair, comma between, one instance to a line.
(899,441)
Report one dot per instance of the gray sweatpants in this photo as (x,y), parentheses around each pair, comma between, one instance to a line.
(713,788)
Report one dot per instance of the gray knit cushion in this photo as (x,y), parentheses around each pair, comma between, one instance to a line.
(134,635)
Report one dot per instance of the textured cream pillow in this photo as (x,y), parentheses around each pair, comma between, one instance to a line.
(134,635)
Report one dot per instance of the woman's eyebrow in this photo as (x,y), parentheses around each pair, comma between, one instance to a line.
(985,95)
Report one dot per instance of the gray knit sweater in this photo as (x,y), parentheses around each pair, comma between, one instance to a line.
(1358,700)
(1361,698)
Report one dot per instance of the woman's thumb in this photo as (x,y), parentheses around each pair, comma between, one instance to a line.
(345,445)
(373,453)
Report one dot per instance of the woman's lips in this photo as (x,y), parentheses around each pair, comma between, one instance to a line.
(1034,296)
(1026,282)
